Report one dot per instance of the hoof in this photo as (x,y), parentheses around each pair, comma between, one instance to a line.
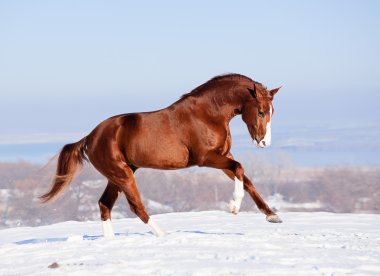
(234,207)
(274,219)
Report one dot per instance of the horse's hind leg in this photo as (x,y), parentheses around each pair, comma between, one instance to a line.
(106,202)
(123,177)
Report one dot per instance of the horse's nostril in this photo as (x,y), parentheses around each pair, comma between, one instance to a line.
(257,140)
(264,143)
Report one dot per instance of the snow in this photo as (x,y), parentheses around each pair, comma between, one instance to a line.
(199,243)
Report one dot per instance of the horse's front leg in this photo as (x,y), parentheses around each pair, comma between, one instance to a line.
(260,203)
(251,190)
(237,172)
(232,169)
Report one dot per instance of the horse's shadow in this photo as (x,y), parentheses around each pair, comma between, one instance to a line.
(197,232)
(126,234)
(200,232)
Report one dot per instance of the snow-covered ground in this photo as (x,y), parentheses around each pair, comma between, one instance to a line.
(199,243)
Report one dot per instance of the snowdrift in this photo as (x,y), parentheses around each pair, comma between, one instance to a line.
(206,243)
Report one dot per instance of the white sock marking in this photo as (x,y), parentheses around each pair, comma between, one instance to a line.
(239,189)
(107,229)
(238,195)
(156,229)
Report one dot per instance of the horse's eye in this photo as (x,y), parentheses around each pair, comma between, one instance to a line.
(261,114)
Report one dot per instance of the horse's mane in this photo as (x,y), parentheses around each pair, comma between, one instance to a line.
(230,76)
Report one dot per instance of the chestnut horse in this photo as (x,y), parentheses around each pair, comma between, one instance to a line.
(194,131)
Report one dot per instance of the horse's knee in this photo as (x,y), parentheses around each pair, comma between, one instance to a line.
(239,171)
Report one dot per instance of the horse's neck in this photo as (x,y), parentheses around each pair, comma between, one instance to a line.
(216,103)
(221,105)
(230,103)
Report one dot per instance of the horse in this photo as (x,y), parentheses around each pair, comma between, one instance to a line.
(193,131)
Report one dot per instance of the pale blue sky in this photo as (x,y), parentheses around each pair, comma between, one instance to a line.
(67,65)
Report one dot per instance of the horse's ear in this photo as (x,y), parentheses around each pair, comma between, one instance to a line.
(253,91)
(274,91)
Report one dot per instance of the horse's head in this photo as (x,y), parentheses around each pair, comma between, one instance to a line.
(257,114)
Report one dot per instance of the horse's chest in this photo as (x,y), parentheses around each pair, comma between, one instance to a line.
(216,140)
(219,141)
(225,148)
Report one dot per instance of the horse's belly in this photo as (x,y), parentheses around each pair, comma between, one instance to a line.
(159,157)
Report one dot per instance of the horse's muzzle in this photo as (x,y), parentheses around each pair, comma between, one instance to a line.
(260,143)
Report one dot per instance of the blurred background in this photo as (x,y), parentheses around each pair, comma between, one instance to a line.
(66,66)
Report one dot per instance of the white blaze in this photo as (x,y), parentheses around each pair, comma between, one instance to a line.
(268,135)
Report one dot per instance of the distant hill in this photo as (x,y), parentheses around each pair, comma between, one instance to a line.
(285,186)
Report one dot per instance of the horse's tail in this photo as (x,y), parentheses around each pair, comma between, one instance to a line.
(70,160)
